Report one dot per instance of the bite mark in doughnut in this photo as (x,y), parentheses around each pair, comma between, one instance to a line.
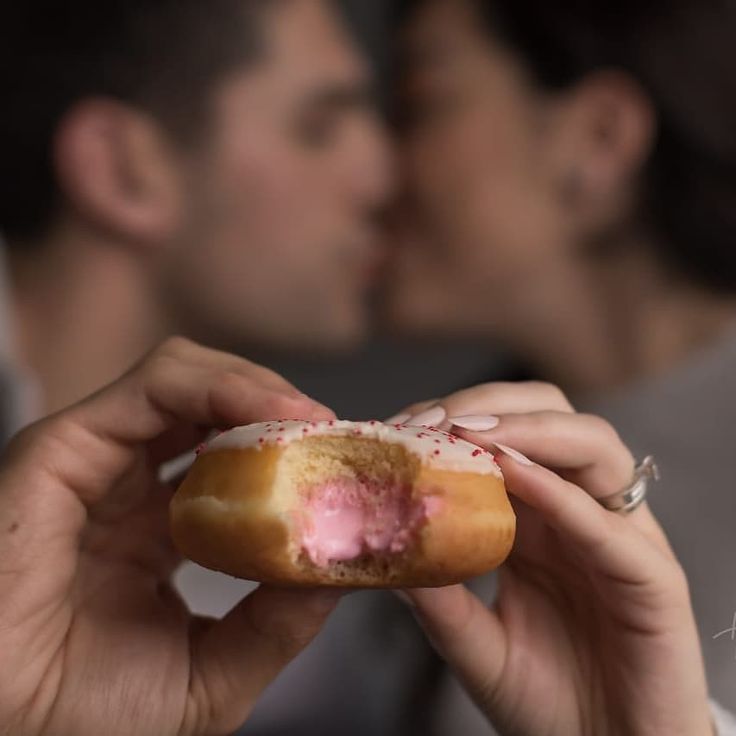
(342,503)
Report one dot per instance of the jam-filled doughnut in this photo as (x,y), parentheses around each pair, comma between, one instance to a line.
(345,504)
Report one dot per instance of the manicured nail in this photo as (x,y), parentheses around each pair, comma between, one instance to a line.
(475,423)
(431,418)
(514,455)
(398,419)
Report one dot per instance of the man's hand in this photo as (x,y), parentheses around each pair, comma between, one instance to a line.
(93,639)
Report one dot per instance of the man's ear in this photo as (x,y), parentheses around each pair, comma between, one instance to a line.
(605,132)
(117,169)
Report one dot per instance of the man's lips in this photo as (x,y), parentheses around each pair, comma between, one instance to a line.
(378,263)
(370,256)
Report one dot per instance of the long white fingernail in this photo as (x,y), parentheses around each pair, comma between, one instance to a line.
(431,418)
(398,419)
(475,423)
(514,455)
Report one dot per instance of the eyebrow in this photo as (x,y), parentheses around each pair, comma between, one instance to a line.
(344,96)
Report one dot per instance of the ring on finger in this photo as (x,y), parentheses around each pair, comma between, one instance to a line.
(634,495)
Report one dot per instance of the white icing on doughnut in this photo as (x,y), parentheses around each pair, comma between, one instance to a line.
(432,445)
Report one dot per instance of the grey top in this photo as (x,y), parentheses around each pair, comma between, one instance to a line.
(687,420)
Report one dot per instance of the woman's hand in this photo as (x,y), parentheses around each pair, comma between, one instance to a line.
(592,631)
(93,639)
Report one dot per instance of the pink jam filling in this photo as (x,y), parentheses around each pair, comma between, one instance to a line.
(344,519)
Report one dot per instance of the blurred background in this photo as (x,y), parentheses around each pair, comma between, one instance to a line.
(387,374)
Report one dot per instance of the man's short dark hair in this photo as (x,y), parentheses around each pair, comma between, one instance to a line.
(163,56)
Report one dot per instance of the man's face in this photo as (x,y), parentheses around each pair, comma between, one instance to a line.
(278,245)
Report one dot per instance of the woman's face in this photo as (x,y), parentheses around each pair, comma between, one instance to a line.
(483,228)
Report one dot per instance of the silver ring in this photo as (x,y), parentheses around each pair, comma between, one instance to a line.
(634,495)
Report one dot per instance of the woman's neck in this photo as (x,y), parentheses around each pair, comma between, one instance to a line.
(625,321)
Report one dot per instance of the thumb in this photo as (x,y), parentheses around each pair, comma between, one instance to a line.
(235,659)
(468,636)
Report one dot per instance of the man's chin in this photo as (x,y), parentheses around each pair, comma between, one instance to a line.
(397,315)
(338,342)
(401,317)
(326,338)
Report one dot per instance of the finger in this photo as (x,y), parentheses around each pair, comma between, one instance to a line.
(468,636)
(139,536)
(586,447)
(179,440)
(187,438)
(506,398)
(609,543)
(199,387)
(185,350)
(486,399)
(411,411)
(234,660)
(100,434)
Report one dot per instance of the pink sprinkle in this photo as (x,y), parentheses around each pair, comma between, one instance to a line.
(373,422)
(283,429)
(438,442)
(436,452)
(261,441)
(476,453)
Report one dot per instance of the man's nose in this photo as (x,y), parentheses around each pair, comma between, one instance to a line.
(376,172)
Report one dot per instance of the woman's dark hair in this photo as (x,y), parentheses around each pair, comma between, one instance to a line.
(162,56)
(683,53)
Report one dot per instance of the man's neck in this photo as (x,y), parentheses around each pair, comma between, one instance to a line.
(625,323)
(83,315)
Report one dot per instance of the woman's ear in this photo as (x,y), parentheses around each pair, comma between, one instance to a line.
(117,169)
(605,131)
